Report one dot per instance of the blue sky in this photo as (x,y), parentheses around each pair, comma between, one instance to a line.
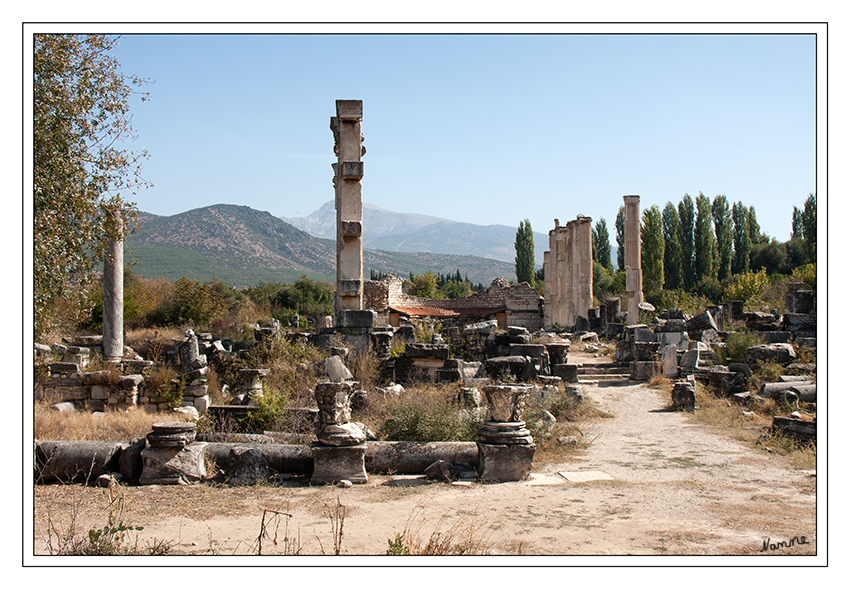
(487,129)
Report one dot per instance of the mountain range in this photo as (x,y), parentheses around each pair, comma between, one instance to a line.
(242,246)
(410,232)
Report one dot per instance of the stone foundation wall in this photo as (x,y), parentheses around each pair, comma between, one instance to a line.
(102,390)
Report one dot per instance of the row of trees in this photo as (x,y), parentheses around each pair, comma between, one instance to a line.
(441,286)
(709,240)
(695,246)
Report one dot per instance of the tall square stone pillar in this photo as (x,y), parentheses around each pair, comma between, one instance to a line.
(584,280)
(634,275)
(348,174)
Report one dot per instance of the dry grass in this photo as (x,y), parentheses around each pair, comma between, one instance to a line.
(722,413)
(152,343)
(111,426)
(467,535)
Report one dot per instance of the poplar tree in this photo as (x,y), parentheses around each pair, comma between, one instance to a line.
(652,249)
(672,248)
(524,252)
(686,240)
(723,234)
(82,175)
(741,237)
(602,245)
(810,225)
(705,246)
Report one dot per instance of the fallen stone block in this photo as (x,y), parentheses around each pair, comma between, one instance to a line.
(780,353)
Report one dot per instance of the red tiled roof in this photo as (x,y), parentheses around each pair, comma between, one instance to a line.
(440,312)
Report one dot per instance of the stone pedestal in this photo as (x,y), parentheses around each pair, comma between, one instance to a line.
(505,447)
(505,463)
(173,466)
(340,452)
(332,464)
(252,381)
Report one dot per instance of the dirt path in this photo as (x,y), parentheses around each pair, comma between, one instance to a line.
(651,483)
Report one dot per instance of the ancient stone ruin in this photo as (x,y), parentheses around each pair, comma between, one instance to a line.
(348,173)
(502,342)
(568,274)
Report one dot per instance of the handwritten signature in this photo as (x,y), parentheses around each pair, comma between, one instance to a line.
(770,545)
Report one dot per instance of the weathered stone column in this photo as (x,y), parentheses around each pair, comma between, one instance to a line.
(348,173)
(113,295)
(634,274)
(547,286)
(564,276)
(583,281)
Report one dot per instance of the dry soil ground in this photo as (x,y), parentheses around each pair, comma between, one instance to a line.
(652,482)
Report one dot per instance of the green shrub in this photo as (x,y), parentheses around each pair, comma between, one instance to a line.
(807,274)
(688,302)
(269,411)
(424,418)
(745,287)
(736,345)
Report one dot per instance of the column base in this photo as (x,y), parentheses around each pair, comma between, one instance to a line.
(503,463)
(332,464)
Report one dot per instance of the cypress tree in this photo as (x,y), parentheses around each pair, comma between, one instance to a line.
(620,227)
(524,252)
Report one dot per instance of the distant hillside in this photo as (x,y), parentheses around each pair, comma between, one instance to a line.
(242,246)
(410,232)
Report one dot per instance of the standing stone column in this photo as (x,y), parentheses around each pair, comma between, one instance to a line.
(348,173)
(583,281)
(634,274)
(547,286)
(113,294)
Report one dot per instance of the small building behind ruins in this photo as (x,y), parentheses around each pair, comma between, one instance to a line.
(517,305)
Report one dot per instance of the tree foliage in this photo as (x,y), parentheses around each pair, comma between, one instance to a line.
(809,222)
(652,249)
(620,227)
(602,245)
(673,271)
(741,238)
(686,239)
(705,246)
(723,235)
(82,174)
(524,252)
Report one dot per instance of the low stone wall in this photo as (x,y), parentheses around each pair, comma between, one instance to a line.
(104,389)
